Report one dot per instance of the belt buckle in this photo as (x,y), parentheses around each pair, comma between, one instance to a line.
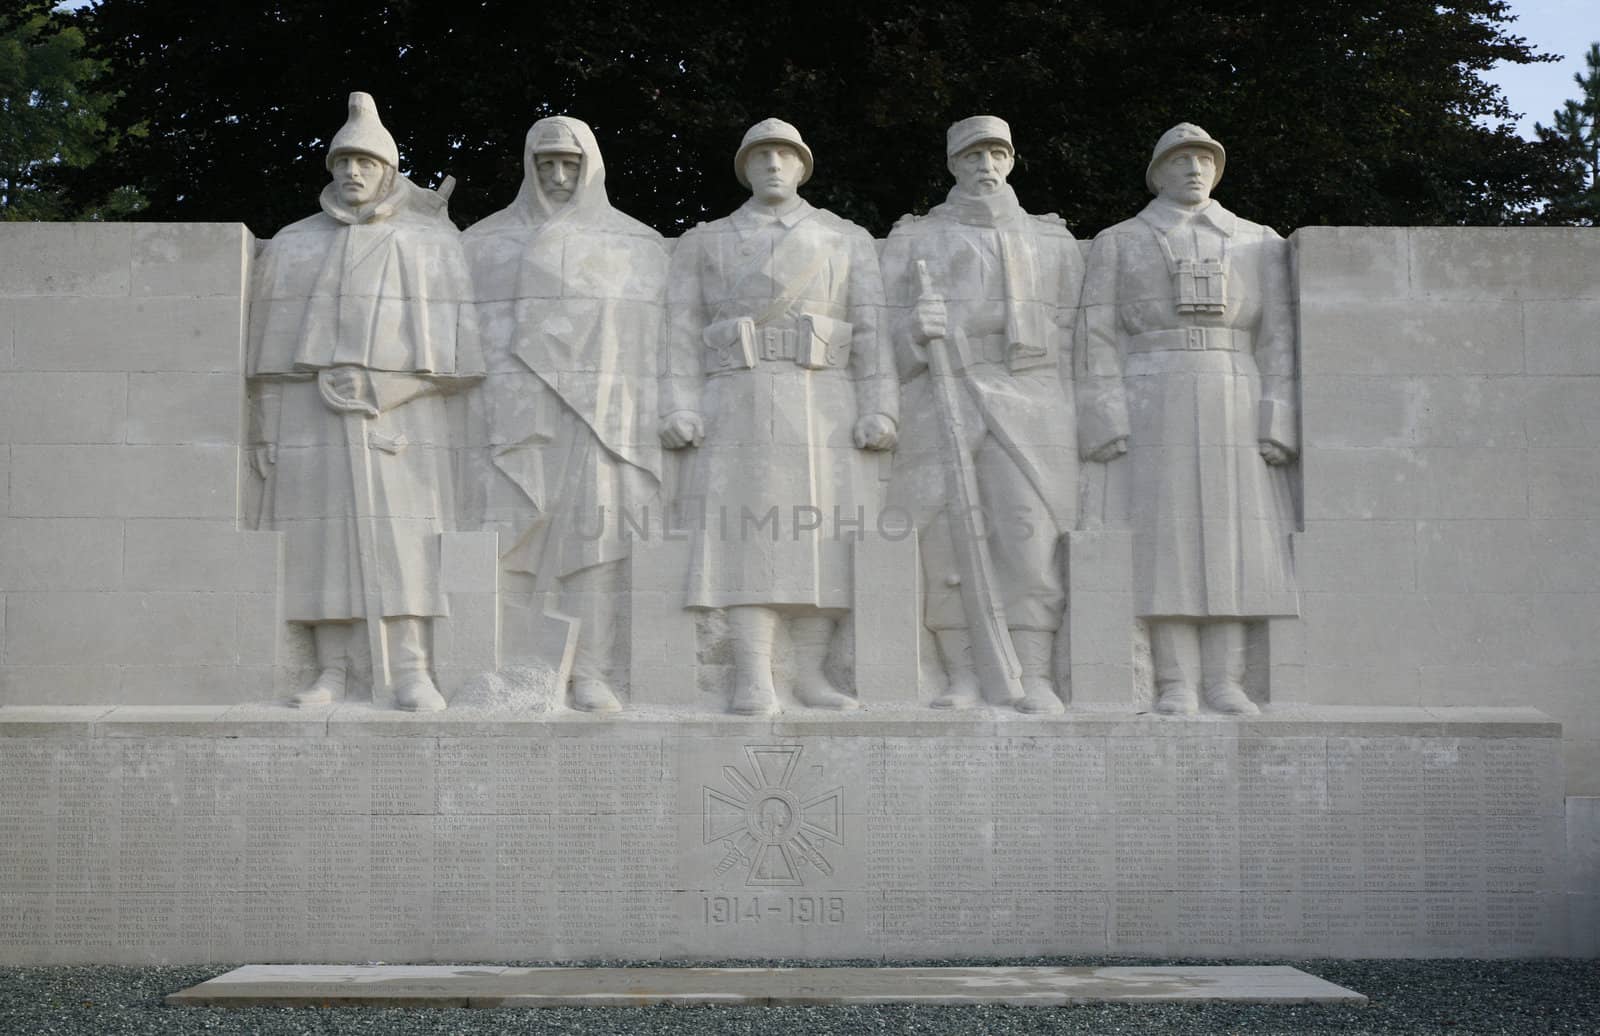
(1194,338)
(771,344)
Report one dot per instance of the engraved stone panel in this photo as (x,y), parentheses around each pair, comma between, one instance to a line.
(88,783)
(1282,775)
(1142,774)
(26,835)
(193,848)
(83,926)
(1375,775)
(402,775)
(524,775)
(401,861)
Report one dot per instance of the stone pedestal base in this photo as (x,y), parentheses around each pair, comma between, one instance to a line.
(140,835)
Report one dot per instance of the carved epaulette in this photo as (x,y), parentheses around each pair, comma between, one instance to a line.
(910,217)
(1050,219)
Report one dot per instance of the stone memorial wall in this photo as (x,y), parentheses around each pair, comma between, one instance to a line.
(223,838)
(981,591)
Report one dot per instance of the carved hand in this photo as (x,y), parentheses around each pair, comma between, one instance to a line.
(350,387)
(1110,451)
(929,319)
(682,428)
(262,458)
(875,432)
(1275,454)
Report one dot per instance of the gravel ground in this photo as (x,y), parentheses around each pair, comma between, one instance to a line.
(1412,997)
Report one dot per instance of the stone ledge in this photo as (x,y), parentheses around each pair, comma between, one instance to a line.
(363,720)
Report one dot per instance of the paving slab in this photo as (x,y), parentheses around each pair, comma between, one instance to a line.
(485,987)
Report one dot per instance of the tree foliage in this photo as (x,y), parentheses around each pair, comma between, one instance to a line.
(53,115)
(1342,112)
(1576,134)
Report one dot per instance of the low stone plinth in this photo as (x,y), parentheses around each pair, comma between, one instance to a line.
(302,985)
(138,835)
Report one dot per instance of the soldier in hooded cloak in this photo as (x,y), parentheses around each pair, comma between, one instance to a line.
(569,292)
(363,308)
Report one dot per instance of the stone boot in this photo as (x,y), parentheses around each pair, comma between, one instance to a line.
(1222,668)
(811,636)
(591,594)
(752,628)
(331,641)
(955,647)
(1036,650)
(414,691)
(326,689)
(590,694)
(1177,699)
(1175,650)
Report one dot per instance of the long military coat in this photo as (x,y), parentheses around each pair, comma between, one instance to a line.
(1211,519)
(1010,282)
(386,291)
(778,444)
(570,308)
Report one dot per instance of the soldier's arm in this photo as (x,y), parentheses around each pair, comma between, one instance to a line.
(900,288)
(681,364)
(265,405)
(1097,370)
(1279,430)
(871,361)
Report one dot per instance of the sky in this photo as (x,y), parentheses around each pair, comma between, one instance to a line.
(1565,27)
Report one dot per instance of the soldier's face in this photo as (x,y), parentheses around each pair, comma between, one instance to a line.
(358,177)
(774,172)
(983,168)
(558,174)
(1185,176)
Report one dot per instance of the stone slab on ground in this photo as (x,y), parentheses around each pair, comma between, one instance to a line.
(463,986)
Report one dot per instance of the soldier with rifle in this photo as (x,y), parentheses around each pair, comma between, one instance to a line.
(982,299)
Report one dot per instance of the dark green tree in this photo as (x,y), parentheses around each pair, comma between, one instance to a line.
(53,115)
(1575,132)
(1344,112)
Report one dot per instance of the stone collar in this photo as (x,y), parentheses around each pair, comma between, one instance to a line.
(1165,216)
(752,215)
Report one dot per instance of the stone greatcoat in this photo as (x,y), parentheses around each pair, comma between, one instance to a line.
(778,435)
(570,307)
(387,290)
(1210,518)
(1010,282)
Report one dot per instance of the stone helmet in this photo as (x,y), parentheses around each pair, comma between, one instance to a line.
(975,130)
(772,131)
(554,136)
(1184,134)
(363,132)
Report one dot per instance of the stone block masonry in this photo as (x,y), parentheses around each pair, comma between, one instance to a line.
(217,835)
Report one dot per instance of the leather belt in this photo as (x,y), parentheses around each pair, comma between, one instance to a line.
(1191,339)
(776,343)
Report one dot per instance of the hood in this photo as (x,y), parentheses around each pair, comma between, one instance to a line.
(532,208)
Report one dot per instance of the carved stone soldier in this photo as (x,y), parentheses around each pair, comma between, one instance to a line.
(1187,308)
(360,322)
(775,370)
(569,294)
(1001,293)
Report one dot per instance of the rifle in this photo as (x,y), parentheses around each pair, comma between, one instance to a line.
(993,655)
